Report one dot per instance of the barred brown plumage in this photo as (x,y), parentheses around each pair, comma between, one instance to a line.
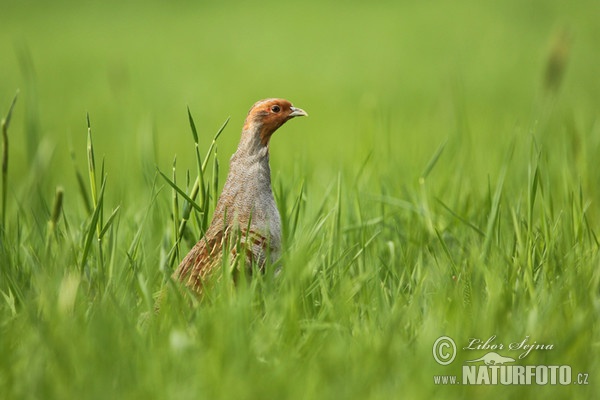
(246,215)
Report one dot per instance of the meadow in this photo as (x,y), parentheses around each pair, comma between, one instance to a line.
(445,183)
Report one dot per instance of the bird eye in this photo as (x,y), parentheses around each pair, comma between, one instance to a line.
(275,108)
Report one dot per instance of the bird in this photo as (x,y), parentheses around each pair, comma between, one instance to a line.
(246,224)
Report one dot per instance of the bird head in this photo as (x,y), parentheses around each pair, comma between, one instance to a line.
(266,116)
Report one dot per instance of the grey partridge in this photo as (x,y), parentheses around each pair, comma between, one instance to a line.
(246,224)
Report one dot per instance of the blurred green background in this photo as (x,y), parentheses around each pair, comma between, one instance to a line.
(395,77)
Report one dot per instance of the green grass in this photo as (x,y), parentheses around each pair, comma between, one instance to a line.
(445,184)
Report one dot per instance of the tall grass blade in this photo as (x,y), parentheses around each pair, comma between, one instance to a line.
(81,185)
(453,265)
(109,222)
(215,176)
(191,199)
(91,163)
(180,191)
(5,124)
(214,143)
(492,221)
(433,161)
(91,229)
(55,216)
(175,210)
(461,219)
(192,126)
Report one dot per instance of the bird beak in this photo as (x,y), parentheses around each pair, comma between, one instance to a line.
(298,112)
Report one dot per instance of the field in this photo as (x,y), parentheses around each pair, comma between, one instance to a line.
(445,183)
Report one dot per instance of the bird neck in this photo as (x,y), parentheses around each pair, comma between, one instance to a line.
(253,143)
(248,180)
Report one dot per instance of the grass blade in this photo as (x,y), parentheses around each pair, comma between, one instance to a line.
(192,126)
(461,219)
(434,160)
(109,222)
(5,124)
(81,185)
(91,162)
(91,228)
(495,203)
(180,191)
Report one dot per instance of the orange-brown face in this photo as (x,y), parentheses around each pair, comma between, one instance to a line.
(268,115)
